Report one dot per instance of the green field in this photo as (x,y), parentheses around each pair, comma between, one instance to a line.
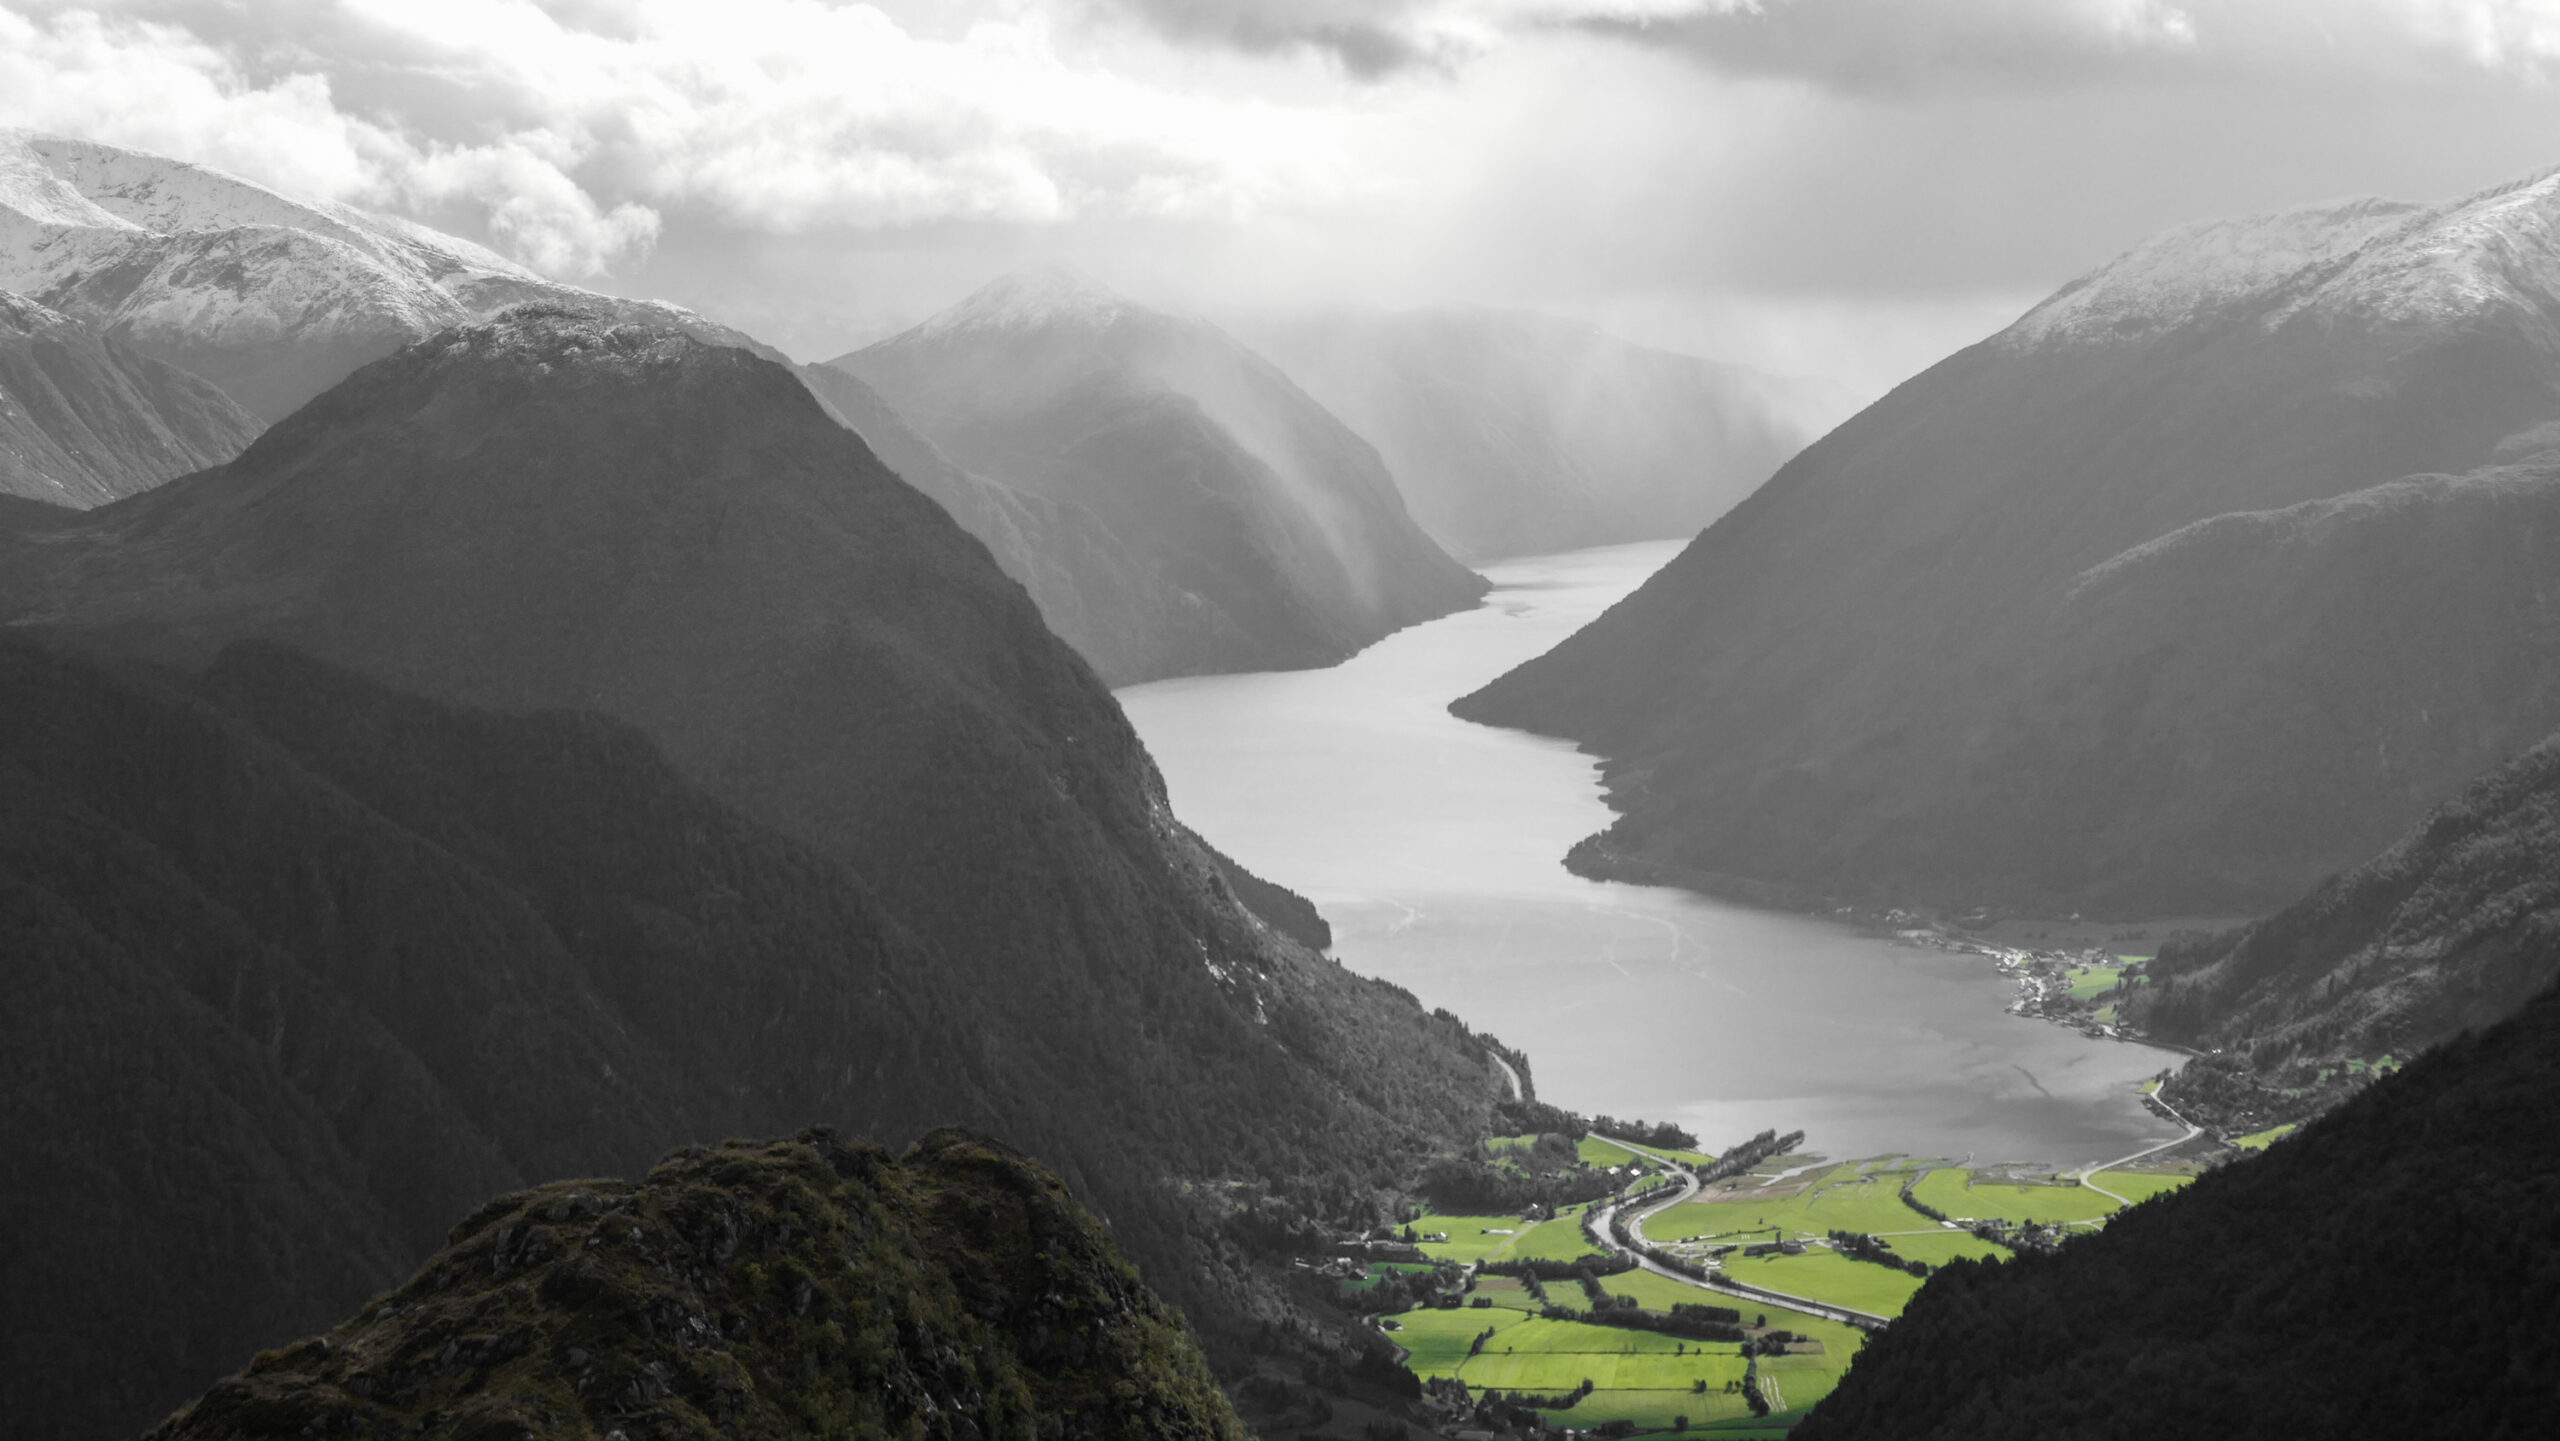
(1469,1238)
(2263,1139)
(2142,1185)
(1638,1376)
(1504,1291)
(1439,1339)
(1825,1275)
(1597,1152)
(1939,1247)
(1864,1197)
(1951,1190)
(1799,1381)
(2090,982)
(1653,1409)
(1558,1240)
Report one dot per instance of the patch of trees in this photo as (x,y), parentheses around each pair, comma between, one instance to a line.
(1541,1269)
(1858,1246)
(1473,1184)
(1663,1136)
(1751,1153)
(1516,1118)
(1696,1323)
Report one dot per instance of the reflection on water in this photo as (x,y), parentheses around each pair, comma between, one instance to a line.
(1434,847)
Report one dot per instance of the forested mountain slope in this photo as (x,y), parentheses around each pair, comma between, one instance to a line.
(1255,530)
(83,419)
(2124,608)
(2393,1270)
(2451,929)
(762,1289)
(301,968)
(1511,433)
(556,511)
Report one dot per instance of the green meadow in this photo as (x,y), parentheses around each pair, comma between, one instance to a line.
(2140,1185)
(1504,1238)
(1864,1196)
(1952,1190)
(1821,1274)
(2260,1140)
(1637,1376)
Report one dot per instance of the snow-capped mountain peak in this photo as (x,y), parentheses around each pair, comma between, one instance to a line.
(272,297)
(2365,261)
(2197,268)
(1032,297)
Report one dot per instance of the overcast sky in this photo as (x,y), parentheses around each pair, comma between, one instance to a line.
(1842,187)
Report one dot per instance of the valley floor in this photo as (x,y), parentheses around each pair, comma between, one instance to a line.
(1775,1244)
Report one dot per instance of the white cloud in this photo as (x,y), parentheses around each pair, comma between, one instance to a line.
(572,134)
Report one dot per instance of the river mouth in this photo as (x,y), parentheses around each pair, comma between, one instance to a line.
(1435,848)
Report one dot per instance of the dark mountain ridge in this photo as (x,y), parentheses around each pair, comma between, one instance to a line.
(1958,650)
(554,511)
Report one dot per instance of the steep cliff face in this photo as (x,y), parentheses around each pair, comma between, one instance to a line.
(272,298)
(2122,608)
(1510,433)
(84,419)
(1260,531)
(759,1289)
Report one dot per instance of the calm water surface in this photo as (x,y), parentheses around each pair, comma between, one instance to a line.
(1434,847)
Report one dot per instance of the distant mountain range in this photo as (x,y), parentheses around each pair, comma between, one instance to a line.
(2202,581)
(271,298)
(1255,531)
(84,419)
(538,946)
(773,1289)
(1512,433)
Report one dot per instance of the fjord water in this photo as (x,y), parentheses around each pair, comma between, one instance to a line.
(1435,848)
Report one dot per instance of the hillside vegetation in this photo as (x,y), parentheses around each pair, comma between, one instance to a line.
(2391,1270)
(806,1287)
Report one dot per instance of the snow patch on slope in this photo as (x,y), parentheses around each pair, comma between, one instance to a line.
(2197,269)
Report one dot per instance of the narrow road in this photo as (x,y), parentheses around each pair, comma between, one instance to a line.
(1731,1288)
(2193,1131)
(1509,1074)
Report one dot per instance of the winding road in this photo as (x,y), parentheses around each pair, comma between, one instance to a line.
(1602,1229)
(2193,1131)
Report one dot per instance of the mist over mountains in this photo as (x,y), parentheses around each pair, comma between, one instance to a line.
(2198,583)
(1279,529)
(1511,433)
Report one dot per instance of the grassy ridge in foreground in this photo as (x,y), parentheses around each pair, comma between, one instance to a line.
(764,1289)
